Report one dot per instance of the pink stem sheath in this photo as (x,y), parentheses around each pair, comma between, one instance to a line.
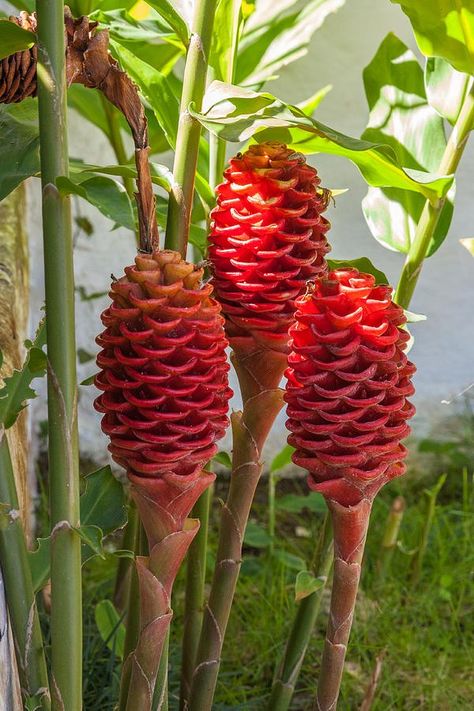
(350,524)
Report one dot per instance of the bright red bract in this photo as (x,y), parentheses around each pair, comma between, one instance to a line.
(348,383)
(267,239)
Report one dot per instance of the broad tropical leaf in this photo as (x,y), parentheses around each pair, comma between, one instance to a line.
(446,88)
(277,34)
(444,28)
(401,117)
(236,114)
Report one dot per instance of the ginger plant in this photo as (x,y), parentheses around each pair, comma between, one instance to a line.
(163,368)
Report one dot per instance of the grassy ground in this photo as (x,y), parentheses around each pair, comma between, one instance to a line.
(421,627)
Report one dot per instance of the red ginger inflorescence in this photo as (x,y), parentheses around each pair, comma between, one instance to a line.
(267,239)
(163,369)
(348,383)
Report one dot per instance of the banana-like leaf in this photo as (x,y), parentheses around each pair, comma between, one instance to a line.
(236,114)
(446,88)
(401,117)
(277,34)
(444,28)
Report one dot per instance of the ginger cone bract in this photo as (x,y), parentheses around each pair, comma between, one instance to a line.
(267,239)
(348,383)
(165,400)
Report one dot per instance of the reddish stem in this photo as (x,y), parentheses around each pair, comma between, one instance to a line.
(350,524)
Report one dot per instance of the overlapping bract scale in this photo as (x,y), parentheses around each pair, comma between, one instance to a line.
(267,239)
(348,383)
(163,368)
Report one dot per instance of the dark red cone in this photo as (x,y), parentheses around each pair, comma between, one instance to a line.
(348,383)
(267,239)
(163,368)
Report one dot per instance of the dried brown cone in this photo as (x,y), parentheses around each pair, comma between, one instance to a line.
(18,71)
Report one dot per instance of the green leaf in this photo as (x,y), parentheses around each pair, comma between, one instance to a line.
(108,195)
(256,536)
(88,381)
(236,114)
(282,459)
(310,105)
(444,28)
(224,459)
(14,39)
(363,264)
(227,26)
(91,537)
(468,243)
(445,88)
(155,88)
(273,38)
(110,626)
(17,387)
(150,39)
(167,10)
(401,117)
(103,510)
(161,174)
(20,144)
(103,501)
(306,584)
(294,503)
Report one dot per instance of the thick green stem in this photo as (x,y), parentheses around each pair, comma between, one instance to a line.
(125,565)
(272,482)
(431,212)
(390,538)
(302,629)
(133,617)
(66,608)
(431,498)
(250,429)
(19,588)
(189,130)
(350,524)
(194,603)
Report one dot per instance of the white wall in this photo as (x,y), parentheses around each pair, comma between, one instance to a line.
(444,345)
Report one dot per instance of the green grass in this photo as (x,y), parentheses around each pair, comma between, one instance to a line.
(425,630)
